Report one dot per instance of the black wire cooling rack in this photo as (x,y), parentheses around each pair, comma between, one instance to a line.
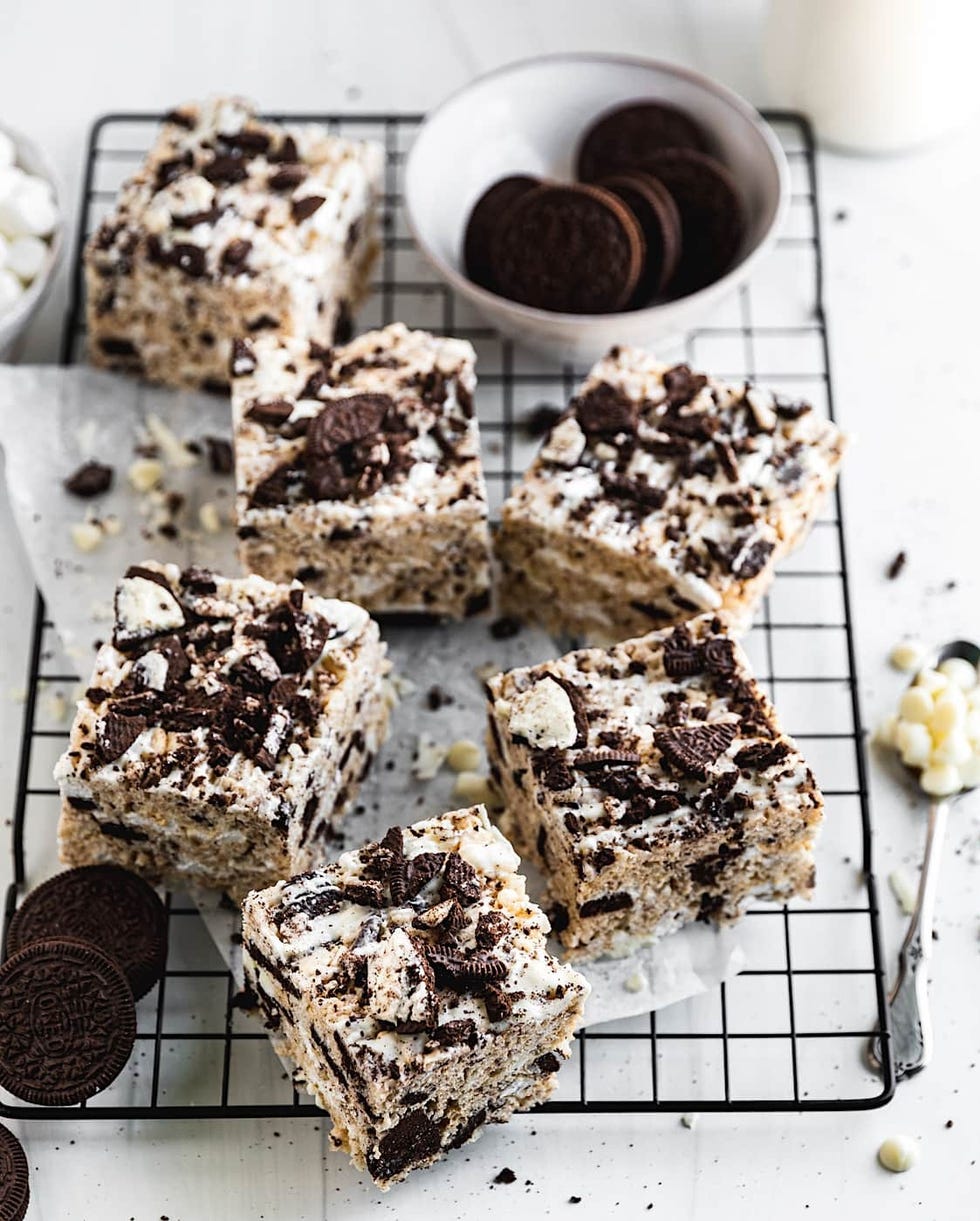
(786,1034)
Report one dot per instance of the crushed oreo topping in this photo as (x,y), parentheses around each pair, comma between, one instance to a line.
(692,749)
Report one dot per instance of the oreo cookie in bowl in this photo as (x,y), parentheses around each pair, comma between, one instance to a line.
(594,199)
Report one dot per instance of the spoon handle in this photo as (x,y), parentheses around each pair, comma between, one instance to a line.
(908,1002)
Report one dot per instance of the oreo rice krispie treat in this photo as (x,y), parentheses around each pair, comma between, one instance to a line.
(659,494)
(226,726)
(358,470)
(410,985)
(231,226)
(653,786)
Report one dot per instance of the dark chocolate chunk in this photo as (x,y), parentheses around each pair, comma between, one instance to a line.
(225,169)
(91,479)
(106,906)
(541,420)
(288,176)
(67,1022)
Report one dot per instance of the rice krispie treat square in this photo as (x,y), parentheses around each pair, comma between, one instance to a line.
(410,985)
(652,785)
(659,494)
(358,470)
(230,227)
(225,729)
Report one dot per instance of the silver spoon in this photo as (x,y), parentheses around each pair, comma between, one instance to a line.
(908,1001)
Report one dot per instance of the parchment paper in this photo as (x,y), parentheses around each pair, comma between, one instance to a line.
(52,419)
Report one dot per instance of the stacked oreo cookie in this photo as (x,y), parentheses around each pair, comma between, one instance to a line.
(653,216)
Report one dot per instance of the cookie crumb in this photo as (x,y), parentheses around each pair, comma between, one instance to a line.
(689,1121)
(91,479)
(896,566)
(505,1176)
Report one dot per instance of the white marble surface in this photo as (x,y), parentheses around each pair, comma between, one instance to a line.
(902,266)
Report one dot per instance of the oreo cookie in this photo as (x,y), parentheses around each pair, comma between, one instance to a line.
(487,214)
(15,1187)
(105,906)
(67,1023)
(623,139)
(712,218)
(654,208)
(570,249)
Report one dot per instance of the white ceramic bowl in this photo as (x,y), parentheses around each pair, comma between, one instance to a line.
(14,322)
(528,117)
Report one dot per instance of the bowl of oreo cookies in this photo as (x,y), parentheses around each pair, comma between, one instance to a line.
(578,201)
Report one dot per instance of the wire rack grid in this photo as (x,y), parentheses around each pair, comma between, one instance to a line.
(786,1034)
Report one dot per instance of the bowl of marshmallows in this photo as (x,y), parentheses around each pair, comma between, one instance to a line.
(30,234)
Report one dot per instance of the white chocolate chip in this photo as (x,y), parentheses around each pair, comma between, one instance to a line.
(932,680)
(145,474)
(970,772)
(948,712)
(476,789)
(885,733)
(913,742)
(464,756)
(907,655)
(916,705)
(954,749)
(566,443)
(429,757)
(543,715)
(634,982)
(86,535)
(941,780)
(959,672)
(898,1153)
(174,451)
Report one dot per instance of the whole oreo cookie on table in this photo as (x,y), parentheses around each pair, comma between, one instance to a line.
(654,208)
(15,1188)
(712,218)
(487,213)
(623,138)
(572,249)
(67,1022)
(105,906)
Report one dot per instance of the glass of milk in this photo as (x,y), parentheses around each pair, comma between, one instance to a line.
(876,76)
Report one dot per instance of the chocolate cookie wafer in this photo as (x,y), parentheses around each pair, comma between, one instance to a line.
(573,249)
(712,219)
(488,211)
(623,138)
(15,1187)
(106,906)
(67,1023)
(654,208)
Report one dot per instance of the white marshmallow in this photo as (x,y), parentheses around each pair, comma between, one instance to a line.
(8,153)
(26,256)
(11,290)
(941,780)
(913,742)
(916,705)
(932,681)
(907,655)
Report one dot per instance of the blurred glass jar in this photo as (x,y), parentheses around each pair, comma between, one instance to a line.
(875,76)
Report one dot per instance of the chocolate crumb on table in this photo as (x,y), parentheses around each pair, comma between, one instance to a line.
(91,479)
(232,226)
(411,985)
(506,1175)
(897,566)
(358,471)
(652,785)
(224,732)
(659,494)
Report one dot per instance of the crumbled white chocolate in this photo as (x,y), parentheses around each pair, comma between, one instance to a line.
(464,756)
(209,517)
(903,889)
(86,535)
(543,715)
(429,757)
(566,443)
(175,451)
(145,608)
(898,1153)
(145,474)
